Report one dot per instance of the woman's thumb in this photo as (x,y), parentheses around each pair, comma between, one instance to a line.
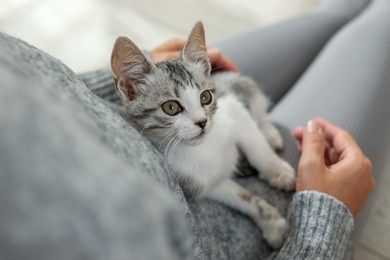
(313,147)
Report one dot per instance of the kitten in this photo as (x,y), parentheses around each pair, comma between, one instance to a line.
(201,122)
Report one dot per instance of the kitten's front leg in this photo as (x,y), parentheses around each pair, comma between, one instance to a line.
(268,218)
(271,133)
(260,155)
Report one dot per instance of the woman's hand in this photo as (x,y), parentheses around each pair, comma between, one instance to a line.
(333,163)
(173,48)
(167,50)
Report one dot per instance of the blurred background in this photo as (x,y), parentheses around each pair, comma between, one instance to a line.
(81,34)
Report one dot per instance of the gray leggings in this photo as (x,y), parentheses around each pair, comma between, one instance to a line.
(334,63)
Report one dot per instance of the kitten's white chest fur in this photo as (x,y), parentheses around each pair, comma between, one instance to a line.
(215,158)
(205,169)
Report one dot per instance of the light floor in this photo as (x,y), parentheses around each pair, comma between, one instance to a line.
(81,34)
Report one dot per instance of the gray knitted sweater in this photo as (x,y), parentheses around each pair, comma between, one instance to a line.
(78,182)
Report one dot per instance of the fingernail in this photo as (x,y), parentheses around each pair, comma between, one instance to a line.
(312,126)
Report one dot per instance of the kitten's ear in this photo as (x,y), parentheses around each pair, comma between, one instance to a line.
(130,67)
(195,49)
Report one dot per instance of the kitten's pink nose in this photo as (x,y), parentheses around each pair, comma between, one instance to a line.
(202,123)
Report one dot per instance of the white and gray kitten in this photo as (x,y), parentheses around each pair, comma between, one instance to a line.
(201,122)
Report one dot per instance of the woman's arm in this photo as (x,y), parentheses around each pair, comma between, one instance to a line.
(333,184)
(320,228)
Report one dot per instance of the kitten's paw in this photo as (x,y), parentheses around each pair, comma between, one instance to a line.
(274,138)
(273,231)
(270,221)
(284,177)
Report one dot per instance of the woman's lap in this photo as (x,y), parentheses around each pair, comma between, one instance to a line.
(348,82)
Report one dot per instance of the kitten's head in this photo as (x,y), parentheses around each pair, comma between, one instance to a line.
(169,102)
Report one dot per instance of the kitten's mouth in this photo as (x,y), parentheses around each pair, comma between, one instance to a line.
(201,135)
(197,139)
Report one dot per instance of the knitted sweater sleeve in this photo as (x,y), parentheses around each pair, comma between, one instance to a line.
(320,228)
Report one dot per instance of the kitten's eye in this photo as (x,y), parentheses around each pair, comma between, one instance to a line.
(205,98)
(171,107)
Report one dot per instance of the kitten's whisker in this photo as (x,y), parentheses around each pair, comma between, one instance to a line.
(171,143)
(175,145)
(166,151)
(142,130)
(165,138)
(169,147)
